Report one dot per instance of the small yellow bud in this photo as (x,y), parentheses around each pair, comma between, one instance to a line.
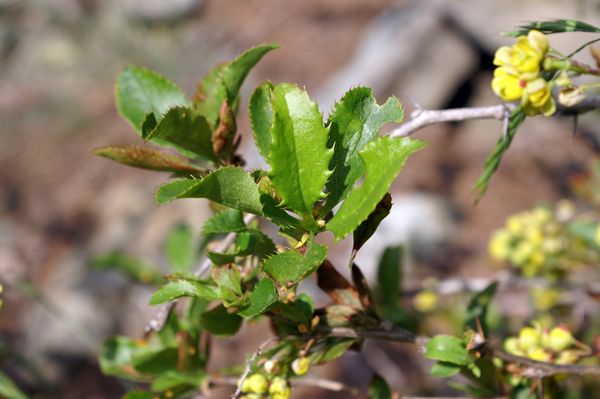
(566,357)
(541,355)
(571,96)
(279,388)
(272,366)
(500,244)
(528,338)
(301,365)
(425,301)
(560,339)
(514,224)
(511,345)
(258,383)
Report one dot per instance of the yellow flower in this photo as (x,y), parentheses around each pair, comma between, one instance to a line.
(257,383)
(528,338)
(537,98)
(301,365)
(541,355)
(539,42)
(425,301)
(500,244)
(279,388)
(525,58)
(561,338)
(507,83)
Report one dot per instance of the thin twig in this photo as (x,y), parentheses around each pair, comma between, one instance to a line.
(160,319)
(238,390)
(425,117)
(533,368)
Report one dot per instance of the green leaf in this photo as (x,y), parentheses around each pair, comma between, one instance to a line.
(299,156)
(305,304)
(229,186)
(116,354)
(447,349)
(210,94)
(383,159)
(261,117)
(445,369)
(180,248)
(366,229)
(220,323)
(140,91)
(275,213)
(354,122)
(493,160)
(187,129)
(168,334)
(289,268)
(145,158)
(9,390)
(195,307)
(132,267)
(227,221)
(554,26)
(183,288)
(389,274)
(379,389)
(263,296)
(156,362)
(332,352)
(235,72)
(265,246)
(245,244)
(478,308)
(228,277)
(138,395)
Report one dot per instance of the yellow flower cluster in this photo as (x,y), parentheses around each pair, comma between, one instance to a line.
(517,76)
(544,345)
(537,243)
(258,387)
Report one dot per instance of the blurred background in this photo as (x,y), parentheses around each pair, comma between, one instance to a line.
(60,206)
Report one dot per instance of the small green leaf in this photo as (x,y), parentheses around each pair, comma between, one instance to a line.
(305,304)
(478,308)
(228,277)
(389,274)
(235,72)
(289,268)
(180,249)
(493,160)
(275,213)
(116,354)
(140,91)
(447,349)
(138,395)
(227,221)
(245,244)
(183,288)
(187,129)
(383,159)
(261,117)
(132,267)
(445,369)
(229,186)
(210,94)
(156,362)
(354,122)
(379,389)
(9,390)
(263,296)
(265,246)
(299,156)
(220,323)
(145,158)
(332,351)
(196,306)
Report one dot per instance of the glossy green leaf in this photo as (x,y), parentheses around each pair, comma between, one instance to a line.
(478,308)
(181,288)
(132,267)
(156,362)
(389,274)
(445,369)
(187,129)
(227,221)
(379,389)
(275,213)
(181,248)
(261,117)
(210,94)
(299,156)
(265,247)
(220,323)
(366,229)
(245,244)
(305,304)
(9,390)
(354,122)
(116,356)
(229,186)
(145,158)
(140,91)
(263,296)
(447,349)
(235,72)
(228,277)
(493,160)
(383,159)
(289,268)
(331,352)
